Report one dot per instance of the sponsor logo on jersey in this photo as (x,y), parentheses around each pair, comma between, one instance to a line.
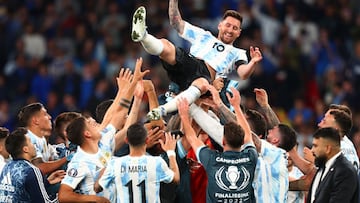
(6,183)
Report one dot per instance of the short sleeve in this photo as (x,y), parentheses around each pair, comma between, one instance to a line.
(164,173)
(74,174)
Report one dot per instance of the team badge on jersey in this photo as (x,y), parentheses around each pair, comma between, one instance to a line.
(72,172)
(232,175)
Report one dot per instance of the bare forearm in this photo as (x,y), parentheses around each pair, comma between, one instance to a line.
(175,17)
(271,117)
(225,114)
(245,71)
(49,167)
(257,142)
(305,166)
(241,120)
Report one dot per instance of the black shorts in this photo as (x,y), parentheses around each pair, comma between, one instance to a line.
(186,70)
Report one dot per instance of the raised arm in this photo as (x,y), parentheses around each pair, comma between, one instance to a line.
(132,117)
(245,70)
(119,119)
(175,18)
(169,146)
(123,81)
(149,90)
(183,108)
(240,117)
(263,101)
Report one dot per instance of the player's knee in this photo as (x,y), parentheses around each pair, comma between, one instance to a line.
(201,84)
(168,53)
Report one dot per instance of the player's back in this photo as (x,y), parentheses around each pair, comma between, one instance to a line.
(137,179)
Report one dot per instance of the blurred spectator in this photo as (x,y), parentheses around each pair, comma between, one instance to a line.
(309,47)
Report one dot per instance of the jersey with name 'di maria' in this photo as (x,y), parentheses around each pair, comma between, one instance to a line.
(137,179)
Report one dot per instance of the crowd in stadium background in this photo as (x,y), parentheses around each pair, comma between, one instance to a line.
(65,53)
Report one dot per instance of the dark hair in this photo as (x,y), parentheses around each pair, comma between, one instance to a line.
(15,142)
(27,112)
(174,123)
(62,120)
(341,107)
(343,119)
(330,134)
(233,14)
(234,134)
(76,129)
(136,135)
(4,133)
(288,137)
(257,122)
(101,109)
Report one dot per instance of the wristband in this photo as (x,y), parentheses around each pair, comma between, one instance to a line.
(170,153)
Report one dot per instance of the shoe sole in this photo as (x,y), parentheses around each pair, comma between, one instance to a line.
(153,116)
(138,24)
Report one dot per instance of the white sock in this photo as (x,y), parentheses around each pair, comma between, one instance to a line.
(191,94)
(152,45)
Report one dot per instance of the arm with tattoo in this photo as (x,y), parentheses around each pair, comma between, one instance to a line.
(225,114)
(270,116)
(175,18)
(263,101)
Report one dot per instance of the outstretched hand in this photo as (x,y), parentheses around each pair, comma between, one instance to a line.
(261,97)
(255,54)
(215,95)
(235,99)
(124,78)
(56,176)
(183,109)
(170,142)
(138,74)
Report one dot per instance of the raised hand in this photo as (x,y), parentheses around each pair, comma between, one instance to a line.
(215,95)
(153,136)
(170,142)
(138,74)
(261,97)
(218,83)
(124,78)
(255,54)
(235,99)
(148,85)
(183,109)
(139,90)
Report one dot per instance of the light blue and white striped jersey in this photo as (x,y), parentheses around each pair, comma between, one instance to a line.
(137,179)
(349,151)
(41,146)
(271,180)
(296,196)
(220,56)
(84,168)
